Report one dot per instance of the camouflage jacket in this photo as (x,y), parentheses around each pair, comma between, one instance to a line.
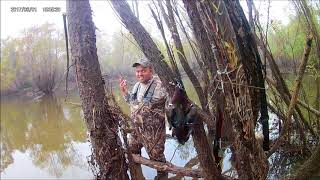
(135,97)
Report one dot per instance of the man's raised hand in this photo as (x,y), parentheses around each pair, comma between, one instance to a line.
(123,85)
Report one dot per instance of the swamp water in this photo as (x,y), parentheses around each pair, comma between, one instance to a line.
(47,139)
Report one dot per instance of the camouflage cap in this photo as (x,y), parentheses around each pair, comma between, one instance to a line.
(142,62)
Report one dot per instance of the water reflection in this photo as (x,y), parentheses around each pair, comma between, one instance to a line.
(14,125)
(48,139)
(41,130)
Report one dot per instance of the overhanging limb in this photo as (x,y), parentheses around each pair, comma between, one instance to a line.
(168,167)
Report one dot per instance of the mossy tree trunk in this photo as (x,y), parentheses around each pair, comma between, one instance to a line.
(102,126)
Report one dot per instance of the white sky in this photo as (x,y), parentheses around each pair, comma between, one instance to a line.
(12,23)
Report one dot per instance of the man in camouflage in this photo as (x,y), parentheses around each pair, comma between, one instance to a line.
(147,105)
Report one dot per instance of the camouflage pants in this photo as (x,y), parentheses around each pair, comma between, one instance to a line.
(149,132)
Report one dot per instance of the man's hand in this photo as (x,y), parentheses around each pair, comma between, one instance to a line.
(123,86)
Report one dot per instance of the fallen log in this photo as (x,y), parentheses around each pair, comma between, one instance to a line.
(168,167)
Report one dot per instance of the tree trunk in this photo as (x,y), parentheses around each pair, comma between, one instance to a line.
(204,73)
(170,53)
(250,58)
(251,22)
(103,128)
(182,57)
(241,102)
(241,107)
(206,53)
(201,37)
(250,160)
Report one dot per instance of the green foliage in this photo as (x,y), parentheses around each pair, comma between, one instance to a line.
(287,42)
(37,54)
(9,62)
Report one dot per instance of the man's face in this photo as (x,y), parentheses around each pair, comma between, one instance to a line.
(143,74)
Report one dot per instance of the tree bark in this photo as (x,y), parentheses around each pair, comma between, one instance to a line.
(103,128)
(250,160)
(241,103)
(250,58)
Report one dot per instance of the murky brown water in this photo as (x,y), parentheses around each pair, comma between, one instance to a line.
(47,139)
